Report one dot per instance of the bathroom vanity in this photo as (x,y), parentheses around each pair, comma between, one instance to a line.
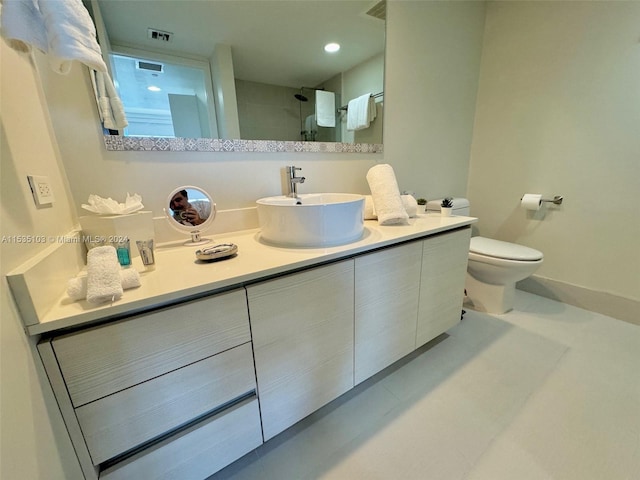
(206,361)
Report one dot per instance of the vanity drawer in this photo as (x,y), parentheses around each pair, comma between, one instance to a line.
(198,452)
(103,360)
(129,418)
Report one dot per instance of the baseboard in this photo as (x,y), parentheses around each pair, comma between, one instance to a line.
(615,306)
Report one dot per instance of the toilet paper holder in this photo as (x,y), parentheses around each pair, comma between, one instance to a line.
(556,200)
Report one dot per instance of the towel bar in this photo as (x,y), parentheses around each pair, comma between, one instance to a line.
(556,200)
(346,107)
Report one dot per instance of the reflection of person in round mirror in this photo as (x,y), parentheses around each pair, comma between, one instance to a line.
(188,212)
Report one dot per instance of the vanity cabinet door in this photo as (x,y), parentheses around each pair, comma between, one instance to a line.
(444,266)
(387,287)
(302,328)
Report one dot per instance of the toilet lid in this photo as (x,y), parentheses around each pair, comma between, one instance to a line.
(498,249)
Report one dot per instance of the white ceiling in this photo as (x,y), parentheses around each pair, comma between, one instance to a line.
(277,42)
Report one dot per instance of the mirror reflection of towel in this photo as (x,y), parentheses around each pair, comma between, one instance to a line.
(110,106)
(325,108)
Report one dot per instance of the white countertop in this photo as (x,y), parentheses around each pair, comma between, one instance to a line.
(178,275)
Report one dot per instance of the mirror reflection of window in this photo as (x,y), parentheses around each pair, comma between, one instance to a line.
(164,99)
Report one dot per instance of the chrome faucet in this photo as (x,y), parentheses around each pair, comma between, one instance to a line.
(293,181)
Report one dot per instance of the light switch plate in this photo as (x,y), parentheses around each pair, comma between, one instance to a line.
(41,189)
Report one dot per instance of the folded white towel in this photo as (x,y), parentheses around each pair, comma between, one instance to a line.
(110,106)
(361,111)
(325,108)
(104,283)
(408,201)
(410,205)
(77,286)
(71,35)
(386,195)
(23,25)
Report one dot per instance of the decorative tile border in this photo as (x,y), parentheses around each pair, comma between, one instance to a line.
(120,143)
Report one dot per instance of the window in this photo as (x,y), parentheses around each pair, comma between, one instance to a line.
(165,98)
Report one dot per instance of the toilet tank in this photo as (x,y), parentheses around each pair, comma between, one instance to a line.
(460,206)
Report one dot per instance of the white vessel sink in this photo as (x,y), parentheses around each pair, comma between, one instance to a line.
(312,219)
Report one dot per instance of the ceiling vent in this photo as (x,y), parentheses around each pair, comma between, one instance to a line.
(149,66)
(154,34)
(379,10)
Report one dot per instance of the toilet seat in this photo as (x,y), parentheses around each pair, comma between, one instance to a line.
(498,249)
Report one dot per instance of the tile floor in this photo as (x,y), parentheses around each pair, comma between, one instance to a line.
(547,391)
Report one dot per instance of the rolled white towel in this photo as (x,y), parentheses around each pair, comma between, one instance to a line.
(386,195)
(103,275)
(77,286)
(410,205)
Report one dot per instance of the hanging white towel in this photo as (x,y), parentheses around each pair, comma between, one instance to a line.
(103,275)
(109,104)
(71,35)
(386,195)
(63,30)
(361,111)
(325,108)
(23,25)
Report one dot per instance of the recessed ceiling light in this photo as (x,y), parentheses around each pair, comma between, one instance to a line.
(153,88)
(332,47)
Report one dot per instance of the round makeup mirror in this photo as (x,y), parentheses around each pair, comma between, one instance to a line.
(190,210)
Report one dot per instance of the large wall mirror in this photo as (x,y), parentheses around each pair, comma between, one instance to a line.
(245,70)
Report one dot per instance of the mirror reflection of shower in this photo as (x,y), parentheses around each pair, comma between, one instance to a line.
(308,125)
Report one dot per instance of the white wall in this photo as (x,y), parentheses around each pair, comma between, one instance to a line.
(431,77)
(33,440)
(559,113)
(269,112)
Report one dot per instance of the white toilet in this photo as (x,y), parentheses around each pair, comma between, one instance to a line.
(494,267)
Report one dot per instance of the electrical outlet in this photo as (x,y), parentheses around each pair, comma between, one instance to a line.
(41,189)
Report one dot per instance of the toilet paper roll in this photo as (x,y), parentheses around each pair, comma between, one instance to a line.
(531,201)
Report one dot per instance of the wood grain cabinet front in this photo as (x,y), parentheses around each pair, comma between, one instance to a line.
(444,266)
(302,326)
(406,296)
(197,452)
(386,307)
(106,359)
(129,418)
